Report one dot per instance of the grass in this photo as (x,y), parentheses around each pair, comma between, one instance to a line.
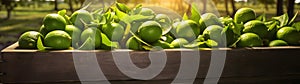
(30,19)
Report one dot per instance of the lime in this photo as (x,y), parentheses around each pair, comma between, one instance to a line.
(28,40)
(54,22)
(162,44)
(150,31)
(214,32)
(257,27)
(58,39)
(210,19)
(250,40)
(165,22)
(179,42)
(43,30)
(289,34)
(147,12)
(188,29)
(79,17)
(134,44)
(173,30)
(74,32)
(113,31)
(278,43)
(244,15)
(94,34)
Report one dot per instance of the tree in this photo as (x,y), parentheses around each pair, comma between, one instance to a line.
(279,6)
(226,7)
(56,5)
(9,6)
(233,7)
(290,8)
(71,5)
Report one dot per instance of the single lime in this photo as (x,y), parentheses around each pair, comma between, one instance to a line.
(150,31)
(94,34)
(257,27)
(289,34)
(244,15)
(54,22)
(179,42)
(250,40)
(58,39)
(278,43)
(28,40)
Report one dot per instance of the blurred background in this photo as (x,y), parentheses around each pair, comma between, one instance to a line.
(18,16)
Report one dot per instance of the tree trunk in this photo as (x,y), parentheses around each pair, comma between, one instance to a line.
(204,6)
(8,14)
(266,5)
(56,5)
(233,7)
(291,6)
(279,7)
(226,7)
(71,5)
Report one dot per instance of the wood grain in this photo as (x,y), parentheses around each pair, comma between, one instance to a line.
(276,65)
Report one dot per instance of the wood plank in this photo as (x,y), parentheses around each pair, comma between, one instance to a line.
(242,65)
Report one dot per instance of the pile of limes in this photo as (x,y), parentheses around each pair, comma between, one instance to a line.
(140,28)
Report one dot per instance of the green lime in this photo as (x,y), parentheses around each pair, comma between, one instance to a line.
(150,31)
(188,29)
(94,34)
(244,15)
(58,39)
(43,30)
(179,42)
(74,32)
(54,22)
(113,31)
(28,40)
(147,12)
(278,43)
(250,40)
(214,32)
(162,44)
(257,27)
(134,44)
(79,17)
(210,19)
(289,34)
(165,22)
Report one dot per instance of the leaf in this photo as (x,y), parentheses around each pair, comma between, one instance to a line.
(297,25)
(262,17)
(283,19)
(139,39)
(123,16)
(146,47)
(293,19)
(123,8)
(235,43)
(185,16)
(107,44)
(40,45)
(196,45)
(64,14)
(195,16)
(237,28)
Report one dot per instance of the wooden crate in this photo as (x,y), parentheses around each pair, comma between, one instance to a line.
(264,65)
